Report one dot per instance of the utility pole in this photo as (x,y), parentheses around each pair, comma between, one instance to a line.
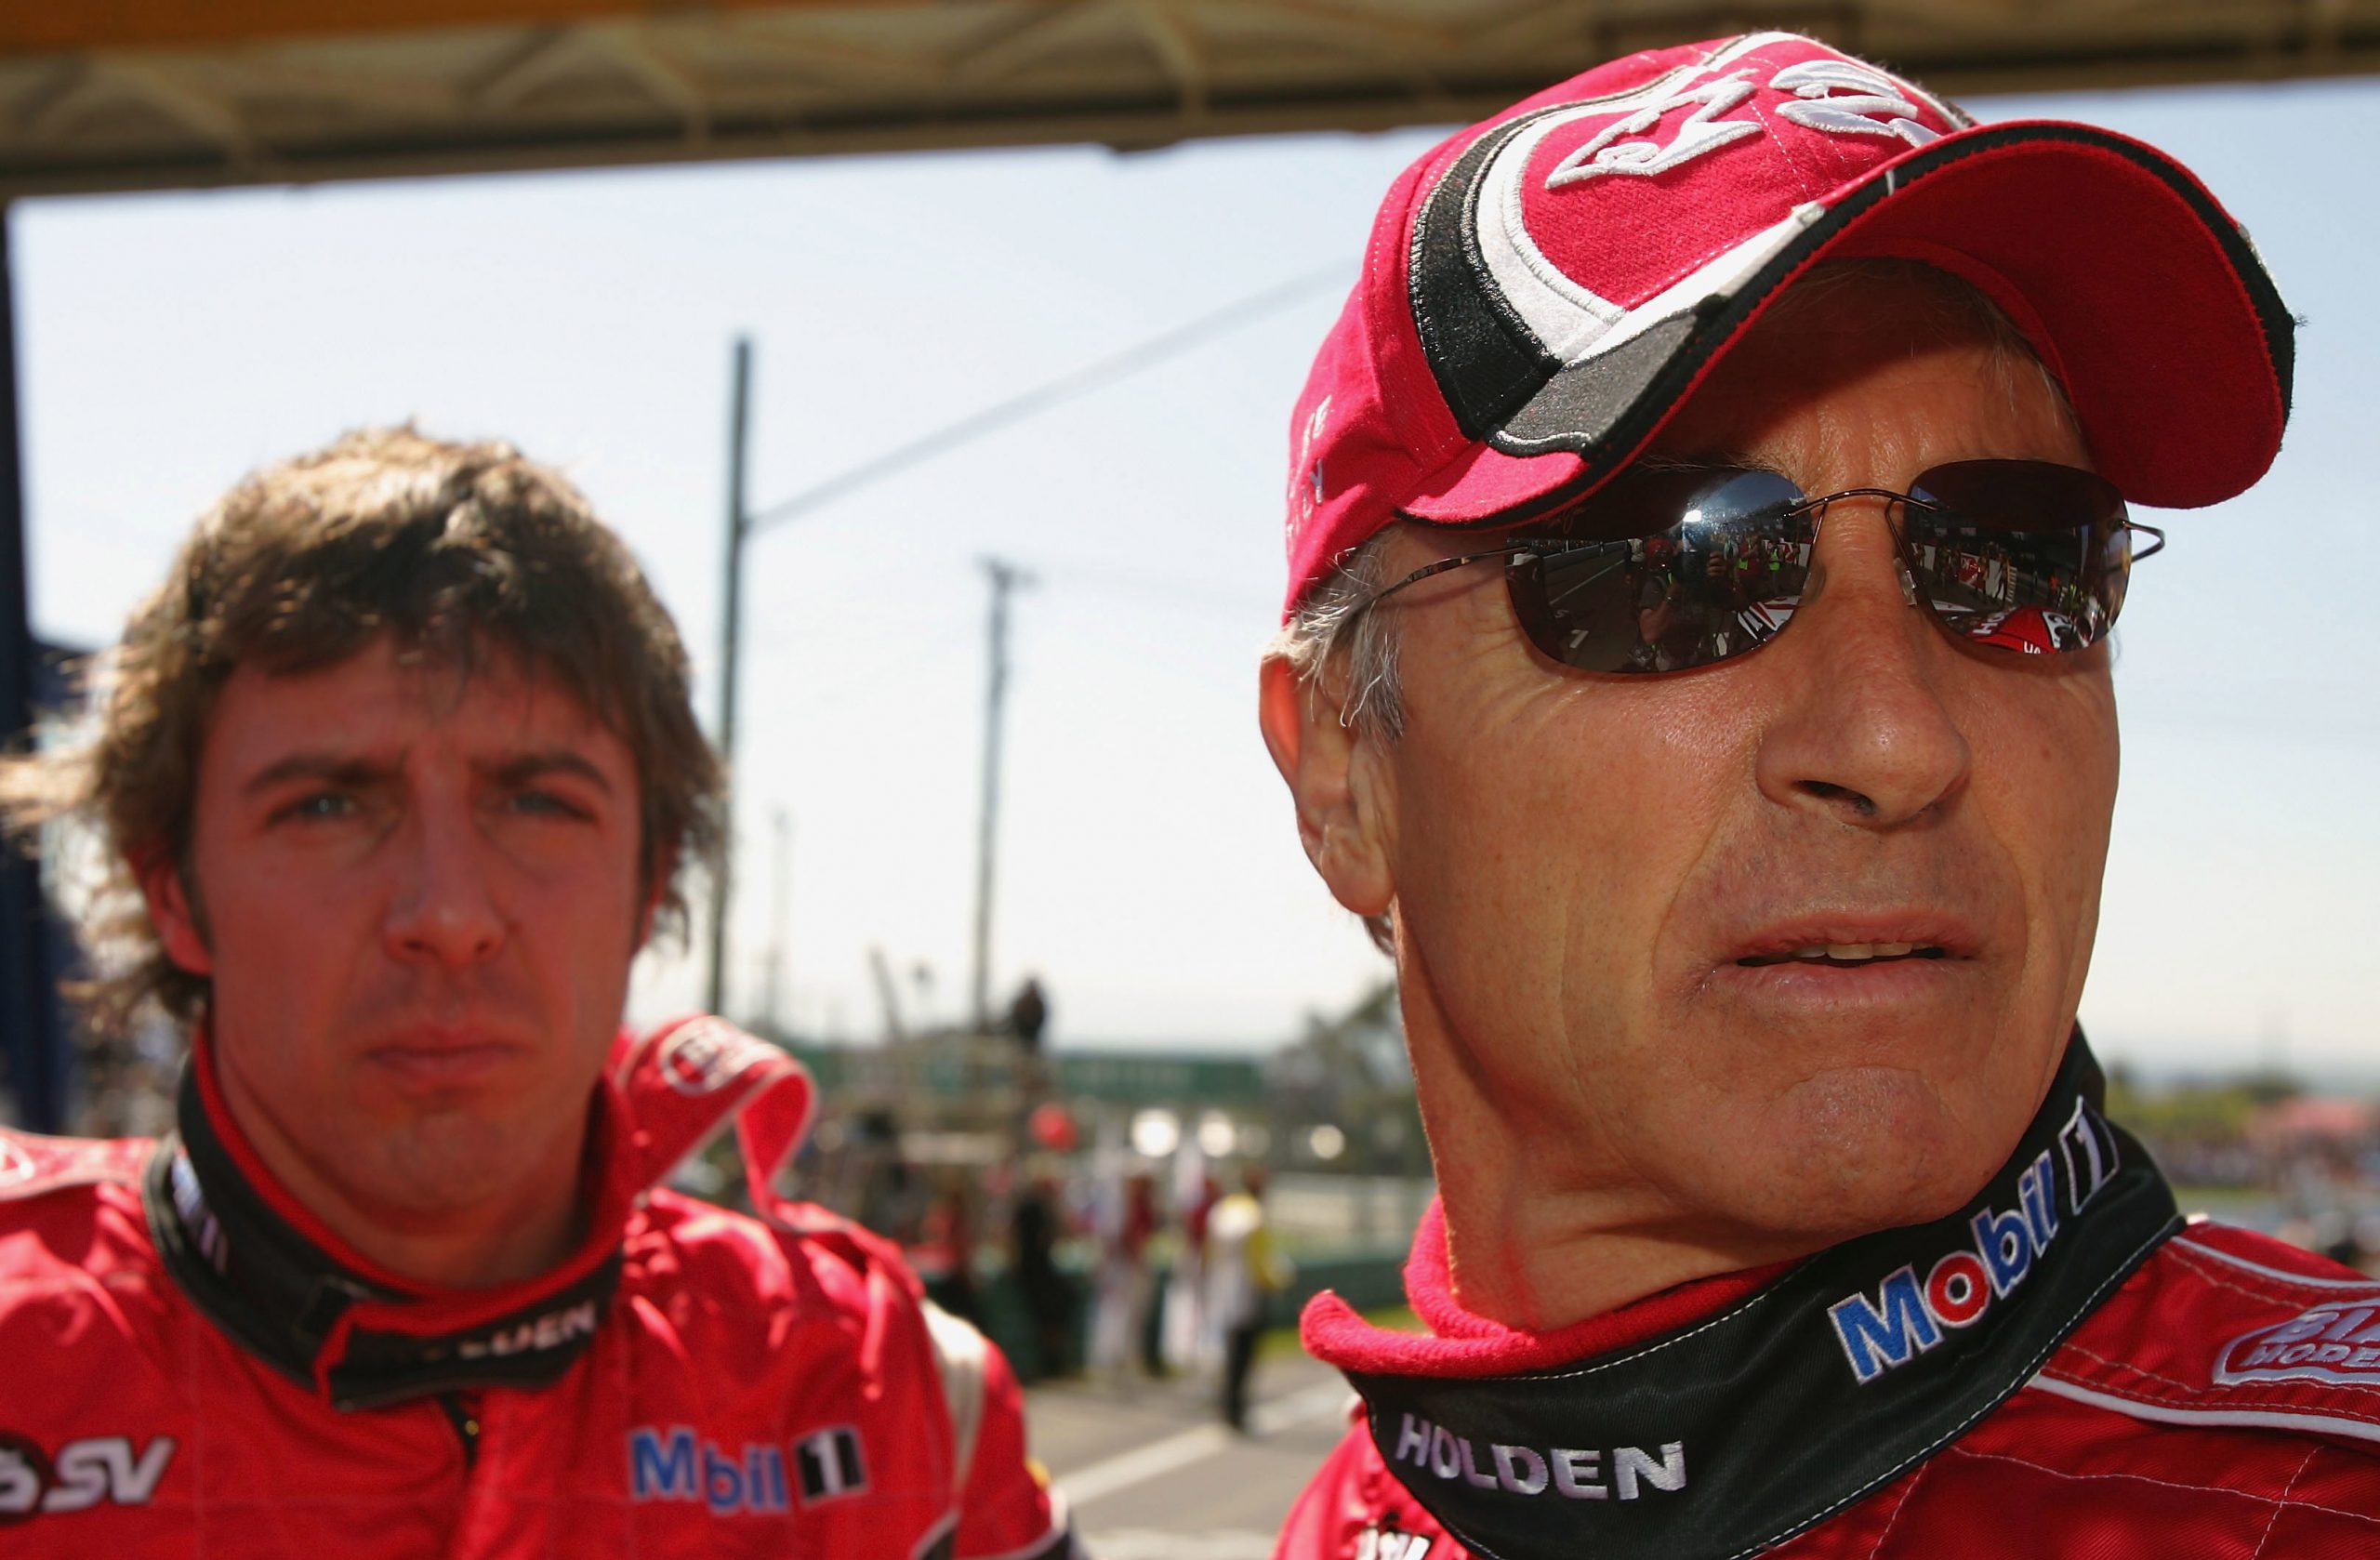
(772,991)
(739,527)
(743,523)
(1005,577)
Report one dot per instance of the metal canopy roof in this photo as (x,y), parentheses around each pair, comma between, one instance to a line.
(128,94)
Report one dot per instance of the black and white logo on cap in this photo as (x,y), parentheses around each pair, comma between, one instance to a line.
(1540,345)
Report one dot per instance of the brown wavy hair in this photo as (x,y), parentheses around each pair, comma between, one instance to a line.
(460,551)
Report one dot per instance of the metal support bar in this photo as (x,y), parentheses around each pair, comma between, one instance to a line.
(731,635)
(32,1039)
(1005,577)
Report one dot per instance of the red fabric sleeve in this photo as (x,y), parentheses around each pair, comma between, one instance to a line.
(1355,1510)
(1008,1511)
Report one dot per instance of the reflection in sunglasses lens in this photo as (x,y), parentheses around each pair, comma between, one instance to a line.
(1670,570)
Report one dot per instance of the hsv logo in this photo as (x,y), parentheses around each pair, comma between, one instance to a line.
(1908,1316)
(2339,1342)
(704,1056)
(83,1474)
(1567,1472)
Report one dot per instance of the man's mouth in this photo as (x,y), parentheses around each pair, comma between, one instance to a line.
(1844,955)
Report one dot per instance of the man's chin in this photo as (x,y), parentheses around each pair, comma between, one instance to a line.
(1871,1151)
(449,1162)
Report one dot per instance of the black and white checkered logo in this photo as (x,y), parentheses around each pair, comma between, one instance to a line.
(829,1465)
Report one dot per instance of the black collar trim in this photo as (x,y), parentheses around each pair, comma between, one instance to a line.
(317,1321)
(1722,1438)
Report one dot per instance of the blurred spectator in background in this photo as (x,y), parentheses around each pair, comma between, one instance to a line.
(1244,1271)
(1119,1318)
(1185,1338)
(1029,1014)
(950,1231)
(1033,1229)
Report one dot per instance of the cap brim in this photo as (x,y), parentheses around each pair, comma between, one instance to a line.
(2133,285)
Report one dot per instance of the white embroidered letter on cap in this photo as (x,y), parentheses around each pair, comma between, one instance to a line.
(1873,91)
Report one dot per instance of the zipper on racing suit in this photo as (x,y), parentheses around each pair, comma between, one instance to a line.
(462,1412)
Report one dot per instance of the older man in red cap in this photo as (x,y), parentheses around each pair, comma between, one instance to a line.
(1704,525)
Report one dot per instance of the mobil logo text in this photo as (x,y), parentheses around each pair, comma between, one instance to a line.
(1911,1314)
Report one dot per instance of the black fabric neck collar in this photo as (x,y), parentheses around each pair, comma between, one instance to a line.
(1736,1432)
(359,1342)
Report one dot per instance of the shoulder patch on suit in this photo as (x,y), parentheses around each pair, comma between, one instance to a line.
(2229,1328)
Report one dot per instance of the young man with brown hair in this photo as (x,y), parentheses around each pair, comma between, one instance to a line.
(394,776)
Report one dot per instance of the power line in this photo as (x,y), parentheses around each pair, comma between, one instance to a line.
(1032,402)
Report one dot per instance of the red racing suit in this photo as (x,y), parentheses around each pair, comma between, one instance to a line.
(2064,1369)
(194,1365)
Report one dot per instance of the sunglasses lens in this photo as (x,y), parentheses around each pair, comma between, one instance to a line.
(2020,555)
(1666,570)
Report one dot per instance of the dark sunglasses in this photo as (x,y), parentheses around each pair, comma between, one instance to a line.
(1666,569)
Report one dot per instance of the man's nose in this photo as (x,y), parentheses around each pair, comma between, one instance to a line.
(443,906)
(1861,731)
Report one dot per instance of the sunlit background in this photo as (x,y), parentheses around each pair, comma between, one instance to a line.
(1148,870)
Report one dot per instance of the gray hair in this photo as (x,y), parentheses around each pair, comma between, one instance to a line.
(1332,622)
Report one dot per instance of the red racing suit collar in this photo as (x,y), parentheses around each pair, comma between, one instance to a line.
(278,1281)
(1725,1416)
(1462,1342)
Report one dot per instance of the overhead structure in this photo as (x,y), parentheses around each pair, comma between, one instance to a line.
(138,94)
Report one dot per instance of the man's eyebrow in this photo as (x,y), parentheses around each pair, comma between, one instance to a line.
(345,769)
(520,768)
(1710,460)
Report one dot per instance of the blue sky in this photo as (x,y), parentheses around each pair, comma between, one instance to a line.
(1149,868)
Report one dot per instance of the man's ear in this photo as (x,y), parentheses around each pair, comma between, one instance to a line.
(173,910)
(1341,792)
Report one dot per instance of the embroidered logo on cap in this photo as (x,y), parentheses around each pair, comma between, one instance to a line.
(1701,131)
(1872,92)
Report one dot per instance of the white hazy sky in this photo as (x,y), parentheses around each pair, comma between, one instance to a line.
(1149,868)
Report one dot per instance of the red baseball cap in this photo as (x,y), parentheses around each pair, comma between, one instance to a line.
(1543,290)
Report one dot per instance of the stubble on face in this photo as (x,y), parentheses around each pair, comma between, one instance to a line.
(423,893)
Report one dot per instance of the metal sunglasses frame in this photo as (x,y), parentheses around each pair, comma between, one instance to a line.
(1521,551)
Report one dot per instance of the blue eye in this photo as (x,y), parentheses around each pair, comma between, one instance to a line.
(321,804)
(545,804)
